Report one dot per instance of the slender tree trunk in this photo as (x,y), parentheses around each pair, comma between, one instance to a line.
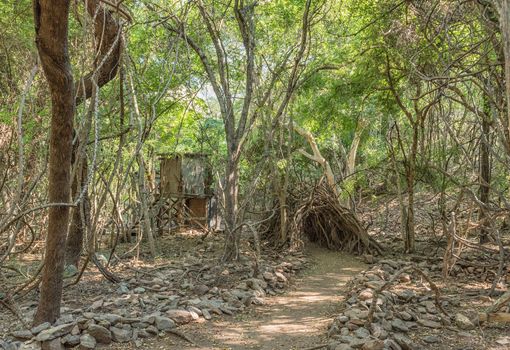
(145,215)
(51,29)
(108,50)
(409,243)
(231,209)
(282,201)
(504,22)
(485,173)
(74,242)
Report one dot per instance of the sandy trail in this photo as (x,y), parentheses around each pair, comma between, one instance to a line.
(295,320)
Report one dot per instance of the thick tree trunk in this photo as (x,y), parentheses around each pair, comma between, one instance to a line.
(51,29)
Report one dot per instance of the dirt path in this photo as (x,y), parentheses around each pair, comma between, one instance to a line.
(295,320)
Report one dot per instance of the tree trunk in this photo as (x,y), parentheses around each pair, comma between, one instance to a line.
(74,242)
(51,29)
(485,172)
(410,177)
(504,22)
(231,209)
(145,215)
(108,50)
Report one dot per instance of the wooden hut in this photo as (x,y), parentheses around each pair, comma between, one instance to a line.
(185,189)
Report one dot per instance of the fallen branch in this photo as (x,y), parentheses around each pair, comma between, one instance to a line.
(386,285)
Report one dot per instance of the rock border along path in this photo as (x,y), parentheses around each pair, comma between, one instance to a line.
(296,319)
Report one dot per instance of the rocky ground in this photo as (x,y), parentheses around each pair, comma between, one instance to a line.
(186,299)
(406,313)
(184,285)
(407,316)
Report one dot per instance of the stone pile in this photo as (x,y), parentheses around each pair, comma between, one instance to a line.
(145,308)
(405,308)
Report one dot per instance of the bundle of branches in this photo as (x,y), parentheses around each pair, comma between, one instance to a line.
(322,219)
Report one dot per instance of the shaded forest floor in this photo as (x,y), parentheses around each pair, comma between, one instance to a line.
(297,301)
(297,319)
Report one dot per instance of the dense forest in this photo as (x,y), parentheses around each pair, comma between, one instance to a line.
(285,174)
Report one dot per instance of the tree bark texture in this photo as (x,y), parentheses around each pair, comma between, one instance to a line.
(485,172)
(108,52)
(231,196)
(80,217)
(51,31)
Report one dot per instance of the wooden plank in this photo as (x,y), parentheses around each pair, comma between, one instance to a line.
(171,176)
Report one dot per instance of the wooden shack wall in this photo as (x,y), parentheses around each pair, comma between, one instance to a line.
(171,176)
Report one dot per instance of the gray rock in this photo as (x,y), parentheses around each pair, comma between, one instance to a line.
(164,323)
(399,325)
(406,295)
(386,325)
(120,335)
(26,346)
(373,345)
(406,316)
(123,289)
(342,347)
(87,342)
(152,330)
(463,322)
(206,314)
(464,334)
(431,339)
(428,323)
(71,340)
(111,318)
(150,319)
(64,319)
(181,316)
(378,331)
(195,310)
(70,271)
(101,334)
(404,342)
(22,334)
(130,320)
(346,339)
(333,330)
(140,325)
(342,318)
(201,289)
(54,344)
(8,345)
(54,332)
(356,313)
(357,343)
(139,290)
(142,333)
(391,344)
(42,327)
(362,333)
